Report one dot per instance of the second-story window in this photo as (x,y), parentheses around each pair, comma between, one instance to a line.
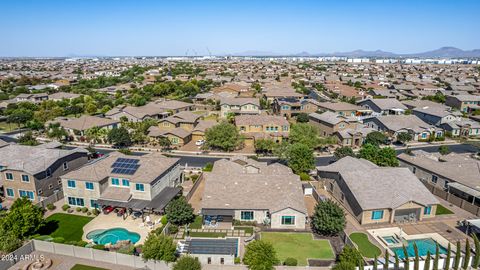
(65,166)
(125,183)
(25,178)
(89,185)
(9,176)
(71,184)
(139,187)
(115,182)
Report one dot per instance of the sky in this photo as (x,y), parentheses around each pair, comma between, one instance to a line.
(157,28)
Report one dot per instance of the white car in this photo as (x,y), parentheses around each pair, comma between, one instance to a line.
(199,142)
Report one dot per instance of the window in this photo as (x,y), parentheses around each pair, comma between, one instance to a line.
(115,182)
(40,191)
(76,201)
(174,140)
(25,178)
(26,193)
(424,135)
(139,187)
(434,179)
(125,183)
(331,186)
(427,210)
(414,169)
(209,260)
(10,193)
(222,261)
(288,220)
(376,215)
(89,185)
(50,186)
(246,215)
(71,184)
(284,128)
(93,204)
(65,166)
(445,185)
(9,176)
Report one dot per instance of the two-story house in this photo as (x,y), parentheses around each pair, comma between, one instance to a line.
(464,103)
(330,122)
(35,171)
(77,128)
(137,183)
(270,127)
(383,106)
(239,106)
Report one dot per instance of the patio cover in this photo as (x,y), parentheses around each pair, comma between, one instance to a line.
(218,212)
(159,202)
(463,188)
(474,222)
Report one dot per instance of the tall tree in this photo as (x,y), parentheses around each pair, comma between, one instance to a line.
(466,259)
(328,218)
(376,138)
(406,260)
(300,158)
(476,257)
(426,266)
(342,152)
(387,260)
(260,255)
(458,256)
(437,257)
(179,211)
(119,137)
(416,261)
(223,136)
(304,133)
(187,263)
(159,247)
(448,259)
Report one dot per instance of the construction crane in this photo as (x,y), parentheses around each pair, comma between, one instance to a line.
(209,52)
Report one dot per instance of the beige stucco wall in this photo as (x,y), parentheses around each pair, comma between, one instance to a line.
(276,219)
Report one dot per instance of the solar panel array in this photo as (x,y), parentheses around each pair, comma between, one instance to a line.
(212,246)
(125,166)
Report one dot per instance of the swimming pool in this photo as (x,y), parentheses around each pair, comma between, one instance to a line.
(424,246)
(390,240)
(112,236)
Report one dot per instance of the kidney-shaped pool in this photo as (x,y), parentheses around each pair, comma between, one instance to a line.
(112,236)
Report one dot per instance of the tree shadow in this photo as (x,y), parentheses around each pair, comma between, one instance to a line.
(48,227)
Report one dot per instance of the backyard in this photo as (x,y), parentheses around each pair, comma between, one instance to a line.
(85,267)
(442,210)
(366,248)
(300,246)
(67,226)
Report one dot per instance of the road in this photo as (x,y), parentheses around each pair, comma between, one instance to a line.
(200,161)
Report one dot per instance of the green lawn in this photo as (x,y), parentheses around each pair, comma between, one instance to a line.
(366,248)
(207,234)
(442,210)
(86,267)
(67,226)
(300,246)
(197,223)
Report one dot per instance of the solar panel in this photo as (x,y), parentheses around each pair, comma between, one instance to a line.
(125,166)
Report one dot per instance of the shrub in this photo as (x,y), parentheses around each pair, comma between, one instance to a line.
(164,220)
(237,260)
(130,249)
(99,247)
(50,206)
(208,167)
(70,211)
(81,244)
(173,229)
(328,218)
(78,209)
(89,213)
(65,207)
(84,209)
(290,262)
(58,240)
(194,177)
(304,176)
(96,212)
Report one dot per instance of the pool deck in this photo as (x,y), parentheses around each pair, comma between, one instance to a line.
(110,221)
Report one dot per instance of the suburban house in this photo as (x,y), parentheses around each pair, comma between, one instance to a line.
(62,96)
(435,115)
(239,106)
(395,124)
(340,108)
(77,127)
(137,114)
(174,106)
(185,119)
(373,194)
(383,106)
(462,127)
(353,137)
(457,174)
(330,122)
(34,98)
(178,136)
(464,103)
(247,190)
(270,93)
(253,127)
(287,107)
(198,132)
(140,183)
(34,171)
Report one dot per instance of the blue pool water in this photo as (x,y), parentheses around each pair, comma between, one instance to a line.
(112,236)
(390,240)
(424,246)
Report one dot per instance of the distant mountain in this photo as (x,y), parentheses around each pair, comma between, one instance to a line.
(444,52)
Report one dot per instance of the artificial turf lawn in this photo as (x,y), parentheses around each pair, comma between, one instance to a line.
(442,210)
(197,223)
(86,267)
(366,248)
(300,246)
(67,226)
(207,234)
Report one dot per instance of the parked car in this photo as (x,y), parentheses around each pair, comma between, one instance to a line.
(199,142)
(107,210)
(121,212)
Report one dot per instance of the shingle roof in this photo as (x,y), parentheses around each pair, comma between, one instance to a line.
(260,120)
(231,186)
(84,122)
(330,117)
(151,166)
